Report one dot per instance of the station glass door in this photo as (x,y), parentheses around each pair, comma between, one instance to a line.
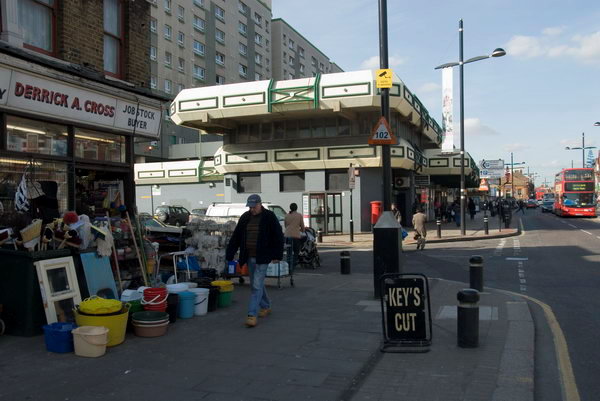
(324,210)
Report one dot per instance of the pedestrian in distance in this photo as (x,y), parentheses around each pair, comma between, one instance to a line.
(521,205)
(259,238)
(397,214)
(455,212)
(471,206)
(294,231)
(419,219)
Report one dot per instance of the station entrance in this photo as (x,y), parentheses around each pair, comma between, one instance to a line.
(323,211)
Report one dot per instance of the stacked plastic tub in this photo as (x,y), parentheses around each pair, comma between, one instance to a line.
(225,292)
(155,299)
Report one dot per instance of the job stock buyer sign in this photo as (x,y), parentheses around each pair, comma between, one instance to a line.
(43,96)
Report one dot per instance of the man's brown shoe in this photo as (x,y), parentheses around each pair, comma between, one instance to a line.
(251,321)
(264,312)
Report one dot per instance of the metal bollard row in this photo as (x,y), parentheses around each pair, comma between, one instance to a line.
(485,225)
(439,228)
(344,262)
(468,318)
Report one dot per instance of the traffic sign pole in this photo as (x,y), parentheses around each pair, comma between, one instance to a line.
(386,158)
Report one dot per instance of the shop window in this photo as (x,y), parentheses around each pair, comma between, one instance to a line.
(343,127)
(249,182)
(336,180)
(291,181)
(113,37)
(24,135)
(278,130)
(304,128)
(92,145)
(265,131)
(47,178)
(37,20)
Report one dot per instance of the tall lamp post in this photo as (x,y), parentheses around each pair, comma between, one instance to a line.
(512,165)
(498,52)
(582,147)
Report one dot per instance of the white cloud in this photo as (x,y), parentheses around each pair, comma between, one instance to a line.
(429,87)
(372,63)
(515,147)
(474,127)
(553,44)
(551,163)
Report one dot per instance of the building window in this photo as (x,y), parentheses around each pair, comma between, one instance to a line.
(313,61)
(302,68)
(198,48)
(179,87)
(113,38)
(267,45)
(168,6)
(257,19)
(153,53)
(38,22)
(168,32)
(168,85)
(291,61)
(291,44)
(243,49)
(181,65)
(257,76)
(258,38)
(168,59)
(336,180)
(199,72)
(172,139)
(220,13)
(153,24)
(153,82)
(31,136)
(199,23)
(258,58)
(300,52)
(243,70)
(242,28)
(321,67)
(266,25)
(220,80)
(92,145)
(290,76)
(181,13)
(291,181)
(285,58)
(180,38)
(220,58)
(248,182)
(220,36)
(199,3)
(242,7)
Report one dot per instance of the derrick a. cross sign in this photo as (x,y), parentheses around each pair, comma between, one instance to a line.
(406,310)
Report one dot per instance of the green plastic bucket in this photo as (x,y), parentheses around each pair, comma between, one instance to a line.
(224,298)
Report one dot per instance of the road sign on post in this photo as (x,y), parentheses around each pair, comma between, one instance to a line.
(382,134)
(351,178)
(384,78)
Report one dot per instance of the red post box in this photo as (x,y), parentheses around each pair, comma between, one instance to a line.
(376,210)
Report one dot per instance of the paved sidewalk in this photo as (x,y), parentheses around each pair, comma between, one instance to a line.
(321,343)
(475,230)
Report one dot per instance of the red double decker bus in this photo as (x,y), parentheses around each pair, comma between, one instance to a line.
(575,192)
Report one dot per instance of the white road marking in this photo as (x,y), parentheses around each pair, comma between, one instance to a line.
(587,232)
(517,258)
(597,237)
(571,225)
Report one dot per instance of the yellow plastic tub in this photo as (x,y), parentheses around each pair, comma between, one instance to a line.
(224,285)
(116,324)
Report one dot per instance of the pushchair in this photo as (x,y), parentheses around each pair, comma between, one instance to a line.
(308,256)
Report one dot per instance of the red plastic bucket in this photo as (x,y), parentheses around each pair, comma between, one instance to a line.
(155,299)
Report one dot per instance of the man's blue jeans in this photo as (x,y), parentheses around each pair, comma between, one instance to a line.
(258,297)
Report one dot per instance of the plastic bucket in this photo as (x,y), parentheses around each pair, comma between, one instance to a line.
(177,288)
(201,302)
(116,324)
(213,296)
(224,285)
(172,306)
(224,298)
(191,284)
(186,304)
(58,337)
(90,341)
(155,299)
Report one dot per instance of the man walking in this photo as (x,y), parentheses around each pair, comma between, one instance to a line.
(419,220)
(259,238)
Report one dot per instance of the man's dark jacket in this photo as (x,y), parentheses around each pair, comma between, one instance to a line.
(269,245)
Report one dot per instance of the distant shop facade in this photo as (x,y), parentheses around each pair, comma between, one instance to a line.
(295,141)
(71,135)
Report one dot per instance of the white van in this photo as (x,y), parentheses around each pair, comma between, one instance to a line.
(235,210)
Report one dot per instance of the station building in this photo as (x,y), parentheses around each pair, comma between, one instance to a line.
(295,141)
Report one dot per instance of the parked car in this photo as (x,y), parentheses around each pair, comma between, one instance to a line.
(172,215)
(235,210)
(197,213)
(531,203)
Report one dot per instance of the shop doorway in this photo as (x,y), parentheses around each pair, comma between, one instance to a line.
(323,211)
(99,191)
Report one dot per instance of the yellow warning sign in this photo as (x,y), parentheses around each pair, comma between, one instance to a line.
(383,78)
(382,134)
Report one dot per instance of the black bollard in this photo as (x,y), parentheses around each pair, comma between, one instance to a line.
(439,228)
(345,262)
(485,225)
(476,272)
(468,318)
(319,236)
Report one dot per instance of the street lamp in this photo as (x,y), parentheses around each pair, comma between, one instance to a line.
(582,147)
(496,53)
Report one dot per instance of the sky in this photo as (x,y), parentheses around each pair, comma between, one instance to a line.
(533,102)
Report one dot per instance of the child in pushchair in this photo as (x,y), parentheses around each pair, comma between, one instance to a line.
(308,256)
